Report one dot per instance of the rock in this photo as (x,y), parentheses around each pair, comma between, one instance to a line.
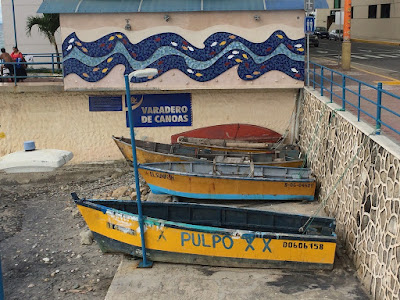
(158,198)
(31,285)
(119,192)
(125,198)
(75,212)
(116,175)
(46,260)
(86,237)
(62,290)
(133,195)
(100,196)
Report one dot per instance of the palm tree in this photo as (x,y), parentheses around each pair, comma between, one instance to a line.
(47,25)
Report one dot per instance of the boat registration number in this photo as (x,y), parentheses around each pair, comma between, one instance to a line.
(162,175)
(298,185)
(303,245)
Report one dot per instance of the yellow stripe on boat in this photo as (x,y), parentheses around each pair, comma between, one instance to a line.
(160,237)
(226,188)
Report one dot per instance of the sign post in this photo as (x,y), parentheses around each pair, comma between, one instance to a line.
(309,23)
(139,73)
(309,28)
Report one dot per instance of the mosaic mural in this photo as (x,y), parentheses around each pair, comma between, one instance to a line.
(92,61)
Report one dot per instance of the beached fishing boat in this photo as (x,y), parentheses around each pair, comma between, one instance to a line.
(204,180)
(234,146)
(211,235)
(234,132)
(148,152)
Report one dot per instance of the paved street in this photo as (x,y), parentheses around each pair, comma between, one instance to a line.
(383,59)
(371,63)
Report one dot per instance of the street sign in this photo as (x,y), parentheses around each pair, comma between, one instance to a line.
(309,5)
(309,25)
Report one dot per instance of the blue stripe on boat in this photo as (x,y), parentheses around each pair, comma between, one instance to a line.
(160,190)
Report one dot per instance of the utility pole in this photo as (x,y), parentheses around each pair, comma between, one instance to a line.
(346,45)
(15,27)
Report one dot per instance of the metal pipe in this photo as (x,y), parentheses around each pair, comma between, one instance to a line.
(344,92)
(322,80)
(308,59)
(359,102)
(15,27)
(145,263)
(379,109)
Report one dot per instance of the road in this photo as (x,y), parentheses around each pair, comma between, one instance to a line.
(382,59)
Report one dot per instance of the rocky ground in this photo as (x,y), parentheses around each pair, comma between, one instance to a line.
(44,239)
(47,251)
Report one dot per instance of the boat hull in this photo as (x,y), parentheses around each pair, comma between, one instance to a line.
(146,156)
(235,132)
(166,241)
(216,188)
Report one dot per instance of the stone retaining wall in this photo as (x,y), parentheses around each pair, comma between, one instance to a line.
(366,202)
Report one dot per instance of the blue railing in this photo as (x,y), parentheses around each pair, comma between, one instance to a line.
(16,68)
(52,56)
(351,97)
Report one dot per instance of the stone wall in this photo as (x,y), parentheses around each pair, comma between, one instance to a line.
(365,200)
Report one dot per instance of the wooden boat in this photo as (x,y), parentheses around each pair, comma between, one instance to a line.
(234,146)
(236,132)
(148,152)
(211,235)
(203,180)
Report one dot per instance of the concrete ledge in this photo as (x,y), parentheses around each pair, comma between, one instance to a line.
(24,87)
(376,42)
(365,128)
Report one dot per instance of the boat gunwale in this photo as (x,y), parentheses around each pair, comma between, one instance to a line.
(183,157)
(194,159)
(148,166)
(209,229)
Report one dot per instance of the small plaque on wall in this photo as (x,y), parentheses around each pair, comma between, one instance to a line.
(158,110)
(105,103)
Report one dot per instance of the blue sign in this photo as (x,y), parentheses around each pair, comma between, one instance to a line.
(309,25)
(157,110)
(105,103)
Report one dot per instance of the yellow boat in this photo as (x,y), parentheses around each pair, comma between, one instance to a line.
(212,235)
(149,152)
(205,180)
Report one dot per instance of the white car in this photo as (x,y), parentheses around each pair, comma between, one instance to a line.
(336,34)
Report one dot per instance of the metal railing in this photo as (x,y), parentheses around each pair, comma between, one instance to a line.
(53,57)
(15,74)
(359,97)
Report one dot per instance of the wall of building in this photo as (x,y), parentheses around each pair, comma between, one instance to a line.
(376,29)
(379,29)
(360,183)
(36,43)
(197,50)
(55,119)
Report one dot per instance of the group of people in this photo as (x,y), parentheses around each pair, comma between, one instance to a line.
(15,56)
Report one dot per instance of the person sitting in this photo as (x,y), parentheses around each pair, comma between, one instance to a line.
(6,59)
(17,56)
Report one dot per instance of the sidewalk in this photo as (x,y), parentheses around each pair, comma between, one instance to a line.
(372,77)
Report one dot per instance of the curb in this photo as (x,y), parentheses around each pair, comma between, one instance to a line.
(376,42)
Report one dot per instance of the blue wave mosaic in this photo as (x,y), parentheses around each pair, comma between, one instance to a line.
(92,61)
